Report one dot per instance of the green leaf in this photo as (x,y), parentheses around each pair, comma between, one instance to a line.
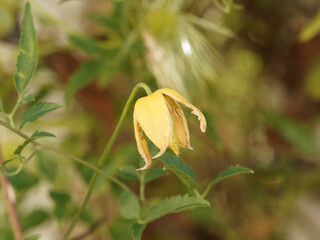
(136,230)
(312,82)
(295,133)
(64,1)
(311,29)
(129,172)
(85,43)
(82,77)
(27,59)
(26,99)
(61,200)
(129,205)
(231,171)
(174,204)
(37,111)
(154,174)
(35,135)
(33,237)
(47,164)
(23,180)
(182,170)
(34,219)
(127,45)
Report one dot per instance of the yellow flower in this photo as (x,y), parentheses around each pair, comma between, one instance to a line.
(162,120)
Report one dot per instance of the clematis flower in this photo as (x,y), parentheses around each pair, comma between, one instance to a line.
(161,119)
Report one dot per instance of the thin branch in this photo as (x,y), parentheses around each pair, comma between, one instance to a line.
(10,200)
(68,155)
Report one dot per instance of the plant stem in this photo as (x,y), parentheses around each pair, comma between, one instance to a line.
(12,113)
(16,131)
(111,178)
(68,155)
(9,198)
(105,155)
(142,186)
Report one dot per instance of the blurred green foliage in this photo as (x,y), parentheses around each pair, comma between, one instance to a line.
(242,63)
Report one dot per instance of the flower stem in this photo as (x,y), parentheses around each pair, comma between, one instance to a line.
(105,155)
(142,186)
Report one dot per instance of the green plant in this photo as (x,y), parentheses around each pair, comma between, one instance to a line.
(134,207)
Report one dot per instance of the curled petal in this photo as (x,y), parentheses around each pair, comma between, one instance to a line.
(177,97)
(141,144)
(152,114)
(180,126)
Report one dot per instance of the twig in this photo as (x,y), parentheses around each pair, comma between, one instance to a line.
(9,198)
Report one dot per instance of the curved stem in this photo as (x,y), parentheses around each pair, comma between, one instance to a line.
(105,155)
(11,114)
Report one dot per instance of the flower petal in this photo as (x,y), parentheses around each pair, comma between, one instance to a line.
(180,126)
(177,97)
(141,144)
(152,114)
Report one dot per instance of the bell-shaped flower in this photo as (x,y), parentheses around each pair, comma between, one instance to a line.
(161,119)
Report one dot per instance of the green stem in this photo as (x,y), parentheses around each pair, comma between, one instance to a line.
(83,162)
(142,186)
(196,192)
(105,155)
(68,155)
(13,112)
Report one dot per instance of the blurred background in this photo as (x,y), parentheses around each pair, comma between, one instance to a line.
(251,66)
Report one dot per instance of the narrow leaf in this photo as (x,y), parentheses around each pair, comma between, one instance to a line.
(37,111)
(61,200)
(231,171)
(34,136)
(174,204)
(136,230)
(34,219)
(294,132)
(82,77)
(177,162)
(129,205)
(85,43)
(27,59)
(182,170)
(311,29)
(26,99)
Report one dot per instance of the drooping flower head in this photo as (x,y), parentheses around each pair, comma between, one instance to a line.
(162,120)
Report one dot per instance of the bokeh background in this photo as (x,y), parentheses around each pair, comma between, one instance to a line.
(252,67)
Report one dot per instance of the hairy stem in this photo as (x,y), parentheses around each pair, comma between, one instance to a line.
(105,155)
(10,201)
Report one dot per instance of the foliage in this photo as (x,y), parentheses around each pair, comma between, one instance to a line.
(260,104)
